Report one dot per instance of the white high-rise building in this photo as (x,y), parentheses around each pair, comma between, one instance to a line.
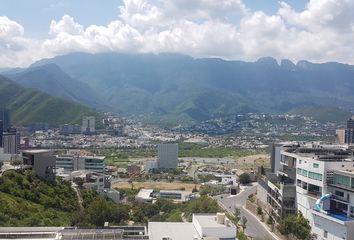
(324,188)
(88,125)
(167,155)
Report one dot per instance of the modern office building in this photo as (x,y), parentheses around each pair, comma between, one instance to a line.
(88,125)
(349,131)
(11,141)
(340,136)
(167,155)
(346,135)
(5,118)
(74,162)
(42,163)
(203,226)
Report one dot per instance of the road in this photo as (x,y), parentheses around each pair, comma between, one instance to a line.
(254,228)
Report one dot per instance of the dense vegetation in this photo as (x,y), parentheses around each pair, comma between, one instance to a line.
(165,210)
(297,226)
(26,200)
(28,105)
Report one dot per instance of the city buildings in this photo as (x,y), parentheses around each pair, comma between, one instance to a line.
(68,129)
(99,182)
(42,163)
(276,186)
(323,179)
(5,118)
(88,125)
(73,161)
(11,141)
(203,226)
(346,135)
(167,155)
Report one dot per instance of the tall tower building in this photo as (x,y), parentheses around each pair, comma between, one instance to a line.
(349,131)
(1,132)
(11,141)
(5,118)
(167,155)
(88,125)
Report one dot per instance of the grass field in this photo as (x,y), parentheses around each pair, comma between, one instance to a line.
(157,185)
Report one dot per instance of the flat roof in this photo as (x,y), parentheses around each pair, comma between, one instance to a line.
(36,151)
(173,230)
(209,221)
(144,193)
(29,229)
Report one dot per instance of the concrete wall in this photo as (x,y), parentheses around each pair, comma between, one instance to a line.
(262,192)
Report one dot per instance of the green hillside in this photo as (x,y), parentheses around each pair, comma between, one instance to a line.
(25,200)
(29,105)
(323,114)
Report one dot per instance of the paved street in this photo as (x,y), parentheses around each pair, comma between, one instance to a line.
(254,228)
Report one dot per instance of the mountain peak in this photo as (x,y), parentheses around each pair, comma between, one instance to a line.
(287,64)
(268,61)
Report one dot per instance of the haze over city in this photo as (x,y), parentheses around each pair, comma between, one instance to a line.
(177,119)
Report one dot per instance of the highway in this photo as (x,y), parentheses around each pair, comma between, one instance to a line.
(254,228)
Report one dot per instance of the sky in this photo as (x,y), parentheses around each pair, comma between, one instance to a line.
(314,30)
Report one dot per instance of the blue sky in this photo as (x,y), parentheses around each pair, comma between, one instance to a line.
(36,15)
(314,30)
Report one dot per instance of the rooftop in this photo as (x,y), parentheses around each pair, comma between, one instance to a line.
(207,220)
(144,194)
(37,151)
(173,230)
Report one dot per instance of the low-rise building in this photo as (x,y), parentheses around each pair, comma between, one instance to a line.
(75,162)
(42,163)
(203,226)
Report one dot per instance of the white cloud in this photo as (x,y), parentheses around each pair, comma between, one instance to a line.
(324,31)
(67,24)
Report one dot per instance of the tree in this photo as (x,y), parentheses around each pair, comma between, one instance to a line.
(244,222)
(259,210)
(241,235)
(270,222)
(297,226)
(245,178)
(237,216)
(79,181)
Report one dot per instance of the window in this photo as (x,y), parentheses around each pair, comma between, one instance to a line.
(341,180)
(300,161)
(315,176)
(339,193)
(316,165)
(302,172)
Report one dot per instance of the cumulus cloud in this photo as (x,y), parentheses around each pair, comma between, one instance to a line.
(323,31)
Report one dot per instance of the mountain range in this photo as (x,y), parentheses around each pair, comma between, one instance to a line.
(30,105)
(177,88)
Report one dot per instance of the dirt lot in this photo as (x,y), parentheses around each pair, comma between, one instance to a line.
(159,185)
